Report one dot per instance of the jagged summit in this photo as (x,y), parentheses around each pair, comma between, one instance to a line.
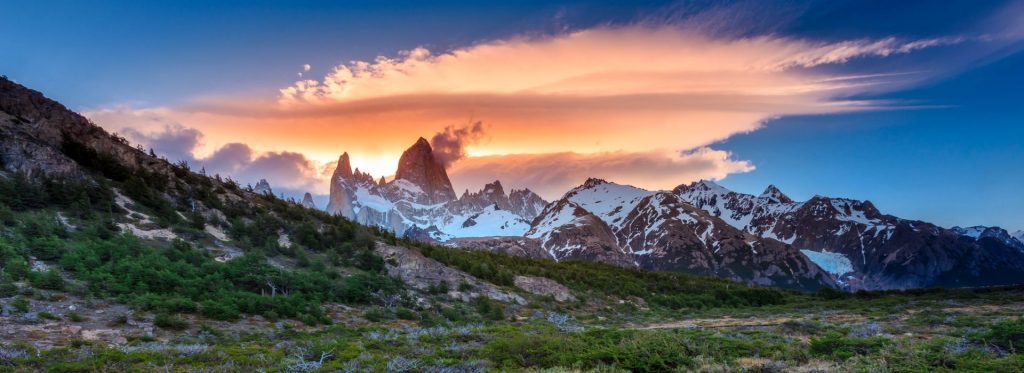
(263,187)
(307,201)
(344,168)
(773,193)
(494,188)
(418,166)
(421,198)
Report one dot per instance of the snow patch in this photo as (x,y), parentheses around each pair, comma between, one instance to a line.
(834,263)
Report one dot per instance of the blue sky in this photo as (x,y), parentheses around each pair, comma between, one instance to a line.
(948,148)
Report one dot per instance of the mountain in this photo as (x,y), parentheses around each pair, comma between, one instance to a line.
(863,247)
(1019,235)
(631,227)
(979,232)
(307,201)
(702,228)
(263,187)
(420,201)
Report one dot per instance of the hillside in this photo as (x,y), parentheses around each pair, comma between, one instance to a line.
(113,259)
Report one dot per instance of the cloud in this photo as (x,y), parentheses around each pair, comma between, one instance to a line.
(305,68)
(602,62)
(175,141)
(288,172)
(450,144)
(551,175)
(654,93)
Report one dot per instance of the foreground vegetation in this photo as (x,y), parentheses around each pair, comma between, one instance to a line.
(540,339)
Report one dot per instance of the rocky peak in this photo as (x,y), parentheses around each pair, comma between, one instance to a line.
(344,169)
(526,203)
(263,187)
(773,193)
(494,188)
(381,182)
(307,201)
(592,182)
(418,166)
(701,187)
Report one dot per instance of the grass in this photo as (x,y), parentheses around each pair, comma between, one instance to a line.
(538,344)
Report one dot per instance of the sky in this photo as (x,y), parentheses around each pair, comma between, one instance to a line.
(913,106)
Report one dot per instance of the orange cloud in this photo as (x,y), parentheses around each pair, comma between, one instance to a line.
(552,174)
(636,90)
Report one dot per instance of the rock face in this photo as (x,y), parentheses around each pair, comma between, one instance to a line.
(864,248)
(340,202)
(35,132)
(422,273)
(307,201)
(418,166)
(421,203)
(544,286)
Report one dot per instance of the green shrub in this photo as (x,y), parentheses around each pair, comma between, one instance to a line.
(519,350)
(376,314)
(405,314)
(836,345)
(168,321)
(20,304)
(48,316)
(438,288)
(74,316)
(50,280)
(221,310)
(1008,335)
(7,287)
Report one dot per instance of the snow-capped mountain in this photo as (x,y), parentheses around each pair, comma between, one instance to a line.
(978,232)
(863,247)
(702,228)
(420,202)
(628,226)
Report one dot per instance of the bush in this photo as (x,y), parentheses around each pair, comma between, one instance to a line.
(376,314)
(168,321)
(836,345)
(50,280)
(48,316)
(20,304)
(1008,335)
(219,310)
(74,316)
(405,314)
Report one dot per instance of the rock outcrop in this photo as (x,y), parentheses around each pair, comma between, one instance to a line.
(422,273)
(39,135)
(545,287)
